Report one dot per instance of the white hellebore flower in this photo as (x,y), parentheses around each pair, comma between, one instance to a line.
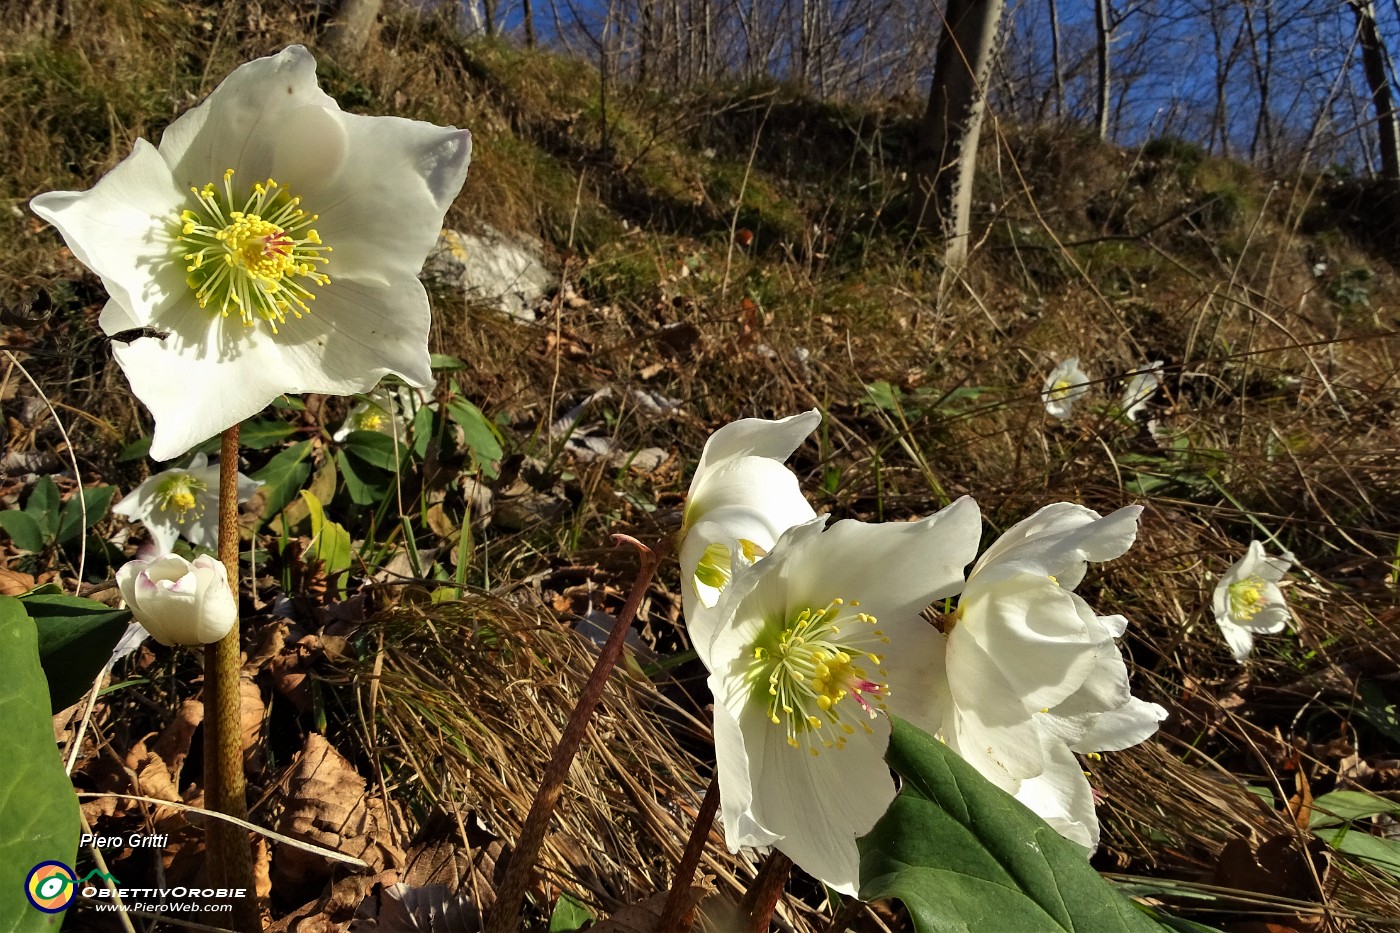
(1065,384)
(261,199)
(1247,599)
(383,411)
(179,602)
(815,642)
(182,502)
(741,500)
(1033,674)
(1139,388)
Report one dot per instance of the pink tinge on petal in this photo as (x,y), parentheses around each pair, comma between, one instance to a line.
(145,585)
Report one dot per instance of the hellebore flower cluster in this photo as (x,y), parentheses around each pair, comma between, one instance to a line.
(1063,387)
(814,633)
(1140,388)
(179,503)
(274,240)
(1247,600)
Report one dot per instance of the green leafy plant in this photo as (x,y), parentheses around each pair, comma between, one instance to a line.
(964,855)
(38,811)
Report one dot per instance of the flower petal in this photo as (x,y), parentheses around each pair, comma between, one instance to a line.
(1124,727)
(756,437)
(1061,796)
(1060,538)
(382,213)
(894,569)
(228,372)
(121,229)
(1032,629)
(241,123)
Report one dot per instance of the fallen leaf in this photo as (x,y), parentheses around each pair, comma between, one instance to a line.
(643,916)
(326,805)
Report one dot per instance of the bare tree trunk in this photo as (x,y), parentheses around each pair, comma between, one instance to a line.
(946,157)
(527,11)
(1103,22)
(347,33)
(1376,63)
(492,26)
(1261,147)
(1056,65)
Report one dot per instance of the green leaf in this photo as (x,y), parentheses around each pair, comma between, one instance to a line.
(76,637)
(569,914)
(284,475)
(478,433)
(964,855)
(1341,805)
(422,431)
(883,395)
(441,362)
(38,809)
(97,499)
(365,484)
(330,542)
(375,449)
(136,450)
(43,505)
(23,530)
(262,433)
(1373,850)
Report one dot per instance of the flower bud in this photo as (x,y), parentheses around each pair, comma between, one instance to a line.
(179,602)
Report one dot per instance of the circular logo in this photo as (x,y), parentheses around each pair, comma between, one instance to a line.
(50,886)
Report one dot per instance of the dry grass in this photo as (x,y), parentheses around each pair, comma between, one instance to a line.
(1277,420)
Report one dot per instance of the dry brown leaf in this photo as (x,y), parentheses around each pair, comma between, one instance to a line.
(251,713)
(1276,867)
(326,805)
(403,908)
(643,916)
(262,867)
(173,746)
(333,912)
(15,583)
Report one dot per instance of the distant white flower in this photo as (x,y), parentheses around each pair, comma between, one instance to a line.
(814,642)
(181,503)
(1065,384)
(742,498)
(179,602)
(1247,600)
(384,411)
(1139,388)
(261,202)
(1032,672)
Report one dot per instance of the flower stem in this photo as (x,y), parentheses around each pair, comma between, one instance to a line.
(227,860)
(505,915)
(673,915)
(761,900)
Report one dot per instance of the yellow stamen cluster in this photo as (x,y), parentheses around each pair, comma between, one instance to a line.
(256,256)
(1059,391)
(1246,598)
(803,668)
(181,493)
(369,420)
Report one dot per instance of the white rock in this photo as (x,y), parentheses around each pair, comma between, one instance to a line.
(493,267)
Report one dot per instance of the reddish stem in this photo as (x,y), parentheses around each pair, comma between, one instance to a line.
(758,905)
(505,915)
(674,917)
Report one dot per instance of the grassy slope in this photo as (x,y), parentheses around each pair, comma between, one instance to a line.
(765,225)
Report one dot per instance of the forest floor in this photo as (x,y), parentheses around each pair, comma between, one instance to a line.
(728,252)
